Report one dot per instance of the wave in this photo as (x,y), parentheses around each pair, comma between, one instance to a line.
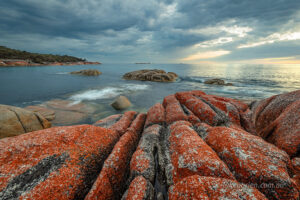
(192,79)
(107,92)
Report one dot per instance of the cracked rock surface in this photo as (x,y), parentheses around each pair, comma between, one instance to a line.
(190,146)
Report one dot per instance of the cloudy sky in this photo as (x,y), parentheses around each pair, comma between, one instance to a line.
(165,31)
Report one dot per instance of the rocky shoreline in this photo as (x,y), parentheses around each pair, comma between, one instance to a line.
(14,63)
(190,146)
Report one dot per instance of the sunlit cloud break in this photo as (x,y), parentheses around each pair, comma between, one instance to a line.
(275,37)
(205,55)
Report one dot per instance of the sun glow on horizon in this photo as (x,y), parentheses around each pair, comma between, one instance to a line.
(205,55)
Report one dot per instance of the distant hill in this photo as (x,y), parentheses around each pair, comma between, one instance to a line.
(7,53)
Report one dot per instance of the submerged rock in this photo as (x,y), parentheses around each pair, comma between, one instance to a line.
(15,121)
(217,81)
(87,72)
(45,112)
(155,75)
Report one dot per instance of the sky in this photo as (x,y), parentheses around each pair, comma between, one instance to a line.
(165,31)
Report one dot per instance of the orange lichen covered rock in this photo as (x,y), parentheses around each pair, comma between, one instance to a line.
(229,109)
(143,160)
(155,115)
(108,121)
(55,163)
(110,182)
(202,110)
(203,187)
(139,189)
(174,111)
(267,110)
(296,166)
(284,132)
(121,125)
(254,161)
(190,155)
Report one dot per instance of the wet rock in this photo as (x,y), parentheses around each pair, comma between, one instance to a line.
(139,189)
(87,72)
(65,105)
(284,132)
(45,112)
(254,161)
(55,163)
(121,103)
(217,81)
(15,121)
(203,187)
(151,75)
(113,176)
(190,155)
(68,112)
(155,115)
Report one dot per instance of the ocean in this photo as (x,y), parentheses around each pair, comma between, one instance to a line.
(24,86)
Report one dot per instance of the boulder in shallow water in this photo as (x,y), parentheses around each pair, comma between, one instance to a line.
(45,112)
(217,81)
(121,103)
(155,75)
(15,121)
(87,72)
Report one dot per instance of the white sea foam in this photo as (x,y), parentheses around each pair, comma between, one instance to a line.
(107,92)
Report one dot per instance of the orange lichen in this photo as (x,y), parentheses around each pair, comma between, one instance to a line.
(202,187)
(190,155)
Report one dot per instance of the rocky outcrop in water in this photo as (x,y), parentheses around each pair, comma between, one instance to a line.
(192,146)
(15,121)
(155,75)
(217,81)
(87,72)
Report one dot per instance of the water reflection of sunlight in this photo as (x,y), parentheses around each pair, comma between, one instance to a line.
(283,76)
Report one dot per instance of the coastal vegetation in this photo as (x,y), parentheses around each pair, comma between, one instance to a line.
(13,54)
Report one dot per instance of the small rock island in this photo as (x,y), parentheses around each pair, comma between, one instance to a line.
(155,75)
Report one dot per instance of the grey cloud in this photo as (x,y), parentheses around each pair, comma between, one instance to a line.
(115,28)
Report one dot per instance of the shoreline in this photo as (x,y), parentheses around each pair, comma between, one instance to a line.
(25,63)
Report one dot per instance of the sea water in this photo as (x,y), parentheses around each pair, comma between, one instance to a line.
(23,86)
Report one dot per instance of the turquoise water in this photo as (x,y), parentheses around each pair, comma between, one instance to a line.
(23,86)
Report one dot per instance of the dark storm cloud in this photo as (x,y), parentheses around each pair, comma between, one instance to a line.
(112,28)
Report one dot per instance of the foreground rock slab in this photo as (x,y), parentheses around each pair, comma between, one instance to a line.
(155,75)
(191,146)
(56,163)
